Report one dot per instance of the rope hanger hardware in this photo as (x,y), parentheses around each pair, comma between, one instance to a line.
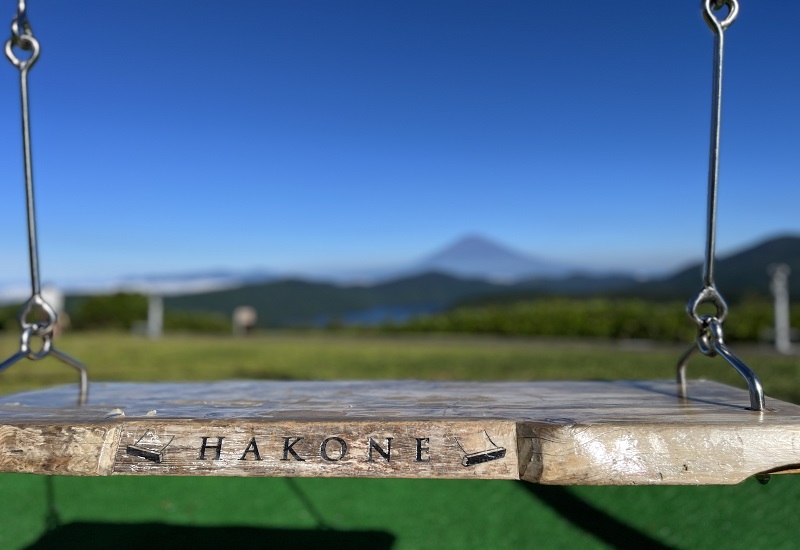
(710,338)
(37,318)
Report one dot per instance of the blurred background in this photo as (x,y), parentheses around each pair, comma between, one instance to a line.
(340,164)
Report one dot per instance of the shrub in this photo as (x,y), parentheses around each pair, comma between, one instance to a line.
(597,317)
(114,311)
(182,321)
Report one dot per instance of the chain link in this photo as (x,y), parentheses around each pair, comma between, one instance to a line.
(22,38)
(20,21)
(37,304)
(25,344)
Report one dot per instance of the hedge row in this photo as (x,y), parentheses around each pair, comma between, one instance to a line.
(123,311)
(595,318)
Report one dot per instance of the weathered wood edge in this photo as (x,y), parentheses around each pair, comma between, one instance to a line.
(654,454)
(75,449)
(548,453)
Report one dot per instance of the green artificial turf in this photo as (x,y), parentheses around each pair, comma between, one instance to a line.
(126,512)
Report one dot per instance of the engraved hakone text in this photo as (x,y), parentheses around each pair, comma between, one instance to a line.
(205,447)
(265,450)
(288,444)
(296,448)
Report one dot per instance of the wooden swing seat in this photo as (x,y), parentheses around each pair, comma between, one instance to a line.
(588,433)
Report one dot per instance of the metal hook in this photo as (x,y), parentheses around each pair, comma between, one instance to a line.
(713,5)
(711,342)
(83,391)
(683,362)
(710,339)
(717,341)
(26,352)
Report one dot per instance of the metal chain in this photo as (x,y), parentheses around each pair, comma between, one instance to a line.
(21,20)
(710,337)
(37,318)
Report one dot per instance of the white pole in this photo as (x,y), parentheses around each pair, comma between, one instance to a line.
(780,290)
(155,316)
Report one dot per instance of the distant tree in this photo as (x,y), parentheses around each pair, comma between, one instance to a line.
(196,321)
(115,311)
(8,317)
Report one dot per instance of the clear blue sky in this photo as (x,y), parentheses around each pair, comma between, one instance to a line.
(185,135)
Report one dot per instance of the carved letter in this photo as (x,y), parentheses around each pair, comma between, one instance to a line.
(387,454)
(421,449)
(205,445)
(287,448)
(323,449)
(251,448)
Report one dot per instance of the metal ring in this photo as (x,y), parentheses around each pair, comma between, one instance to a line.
(25,347)
(709,295)
(715,24)
(704,343)
(710,336)
(27,43)
(715,330)
(38,328)
(706,337)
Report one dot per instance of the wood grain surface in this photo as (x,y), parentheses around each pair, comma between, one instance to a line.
(592,433)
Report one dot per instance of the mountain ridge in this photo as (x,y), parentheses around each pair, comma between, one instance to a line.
(741,273)
(297,302)
(292,302)
(478,256)
(471,256)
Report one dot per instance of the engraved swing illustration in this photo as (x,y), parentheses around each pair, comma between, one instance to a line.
(479,448)
(150,446)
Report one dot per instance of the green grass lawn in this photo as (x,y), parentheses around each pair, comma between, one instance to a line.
(64,512)
(302,356)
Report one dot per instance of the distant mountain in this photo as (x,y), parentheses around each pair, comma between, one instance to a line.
(472,270)
(472,257)
(294,302)
(737,275)
(742,274)
(475,256)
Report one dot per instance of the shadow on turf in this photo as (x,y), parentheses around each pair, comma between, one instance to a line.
(87,536)
(590,519)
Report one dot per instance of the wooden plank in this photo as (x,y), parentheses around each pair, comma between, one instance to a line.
(594,433)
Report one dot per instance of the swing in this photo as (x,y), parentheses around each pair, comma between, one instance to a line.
(593,433)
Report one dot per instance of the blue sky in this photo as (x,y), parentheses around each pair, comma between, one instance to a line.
(186,135)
